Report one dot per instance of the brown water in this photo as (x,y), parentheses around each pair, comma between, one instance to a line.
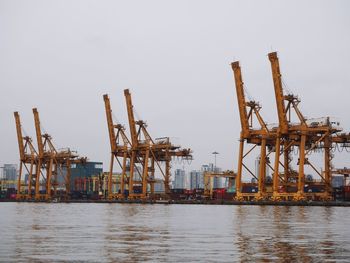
(172,233)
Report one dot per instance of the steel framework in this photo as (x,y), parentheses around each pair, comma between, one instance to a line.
(46,165)
(28,162)
(140,149)
(261,137)
(307,136)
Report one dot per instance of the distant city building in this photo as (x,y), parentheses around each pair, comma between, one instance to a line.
(257,168)
(196,180)
(10,172)
(159,186)
(26,178)
(10,175)
(180,179)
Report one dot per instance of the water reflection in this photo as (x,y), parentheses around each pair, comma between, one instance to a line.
(172,233)
(288,234)
(133,237)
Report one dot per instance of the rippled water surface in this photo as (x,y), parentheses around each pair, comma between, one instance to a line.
(172,233)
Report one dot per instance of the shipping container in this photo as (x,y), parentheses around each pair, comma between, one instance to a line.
(347,189)
(249,189)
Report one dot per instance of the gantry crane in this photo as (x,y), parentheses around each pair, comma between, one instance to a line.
(120,148)
(45,160)
(140,152)
(306,136)
(259,137)
(52,164)
(147,150)
(28,157)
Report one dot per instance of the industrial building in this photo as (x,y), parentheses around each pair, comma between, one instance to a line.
(85,170)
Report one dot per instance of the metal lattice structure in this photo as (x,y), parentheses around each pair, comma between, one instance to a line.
(307,137)
(142,155)
(46,165)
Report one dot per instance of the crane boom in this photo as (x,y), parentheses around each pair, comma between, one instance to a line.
(19,136)
(241,99)
(38,132)
(277,81)
(110,123)
(132,123)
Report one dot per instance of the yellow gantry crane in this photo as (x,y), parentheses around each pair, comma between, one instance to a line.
(53,165)
(45,160)
(28,157)
(120,148)
(151,151)
(46,165)
(307,136)
(132,152)
(141,155)
(258,137)
(140,152)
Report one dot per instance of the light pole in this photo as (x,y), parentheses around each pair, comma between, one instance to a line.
(215,153)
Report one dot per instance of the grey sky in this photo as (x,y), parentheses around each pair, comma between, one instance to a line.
(174,56)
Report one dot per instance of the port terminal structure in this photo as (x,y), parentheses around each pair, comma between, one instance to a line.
(277,143)
(139,157)
(290,148)
(48,169)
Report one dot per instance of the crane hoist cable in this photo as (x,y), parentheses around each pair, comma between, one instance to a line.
(43,128)
(136,114)
(338,148)
(334,149)
(247,93)
(24,132)
(346,149)
(285,87)
(344,146)
(115,119)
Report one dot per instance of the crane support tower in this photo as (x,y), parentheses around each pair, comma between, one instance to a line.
(54,166)
(259,137)
(28,162)
(158,151)
(295,135)
(142,157)
(307,137)
(48,169)
(120,148)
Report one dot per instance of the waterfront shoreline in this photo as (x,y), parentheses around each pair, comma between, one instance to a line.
(196,202)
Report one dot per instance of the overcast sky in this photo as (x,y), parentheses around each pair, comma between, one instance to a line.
(174,56)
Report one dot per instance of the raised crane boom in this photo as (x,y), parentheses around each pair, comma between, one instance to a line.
(241,99)
(38,133)
(132,123)
(277,82)
(110,122)
(19,136)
